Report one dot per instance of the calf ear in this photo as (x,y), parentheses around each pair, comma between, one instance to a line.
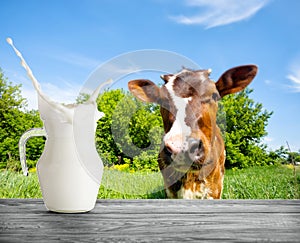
(236,79)
(145,90)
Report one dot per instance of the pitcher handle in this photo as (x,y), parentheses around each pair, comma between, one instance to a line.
(34,132)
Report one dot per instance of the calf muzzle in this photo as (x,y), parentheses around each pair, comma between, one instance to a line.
(185,154)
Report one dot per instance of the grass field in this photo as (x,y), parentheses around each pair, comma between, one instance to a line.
(269,182)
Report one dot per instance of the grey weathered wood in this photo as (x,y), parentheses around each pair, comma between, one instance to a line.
(27,220)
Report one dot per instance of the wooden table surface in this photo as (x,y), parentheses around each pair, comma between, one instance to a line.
(27,220)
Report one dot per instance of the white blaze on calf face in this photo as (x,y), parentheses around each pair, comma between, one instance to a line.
(179,132)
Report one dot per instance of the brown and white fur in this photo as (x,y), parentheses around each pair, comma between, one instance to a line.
(193,153)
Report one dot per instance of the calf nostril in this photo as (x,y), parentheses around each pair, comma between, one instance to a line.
(168,150)
(195,146)
(200,145)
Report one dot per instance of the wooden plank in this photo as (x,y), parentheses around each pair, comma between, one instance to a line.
(27,220)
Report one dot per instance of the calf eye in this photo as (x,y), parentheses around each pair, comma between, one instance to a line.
(215,96)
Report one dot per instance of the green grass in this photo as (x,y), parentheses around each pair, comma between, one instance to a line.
(269,182)
(15,185)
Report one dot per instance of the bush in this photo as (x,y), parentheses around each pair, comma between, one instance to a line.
(246,123)
(14,121)
(145,162)
(130,133)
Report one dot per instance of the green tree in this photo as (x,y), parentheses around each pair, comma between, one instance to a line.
(293,157)
(14,121)
(279,156)
(105,143)
(129,132)
(246,123)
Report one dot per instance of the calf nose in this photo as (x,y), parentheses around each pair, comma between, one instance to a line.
(174,146)
(192,147)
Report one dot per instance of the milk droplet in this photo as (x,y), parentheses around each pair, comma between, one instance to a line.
(9,40)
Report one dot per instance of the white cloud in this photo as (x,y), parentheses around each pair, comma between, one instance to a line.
(220,12)
(268,139)
(268,82)
(120,70)
(271,142)
(64,93)
(294,77)
(30,95)
(76,60)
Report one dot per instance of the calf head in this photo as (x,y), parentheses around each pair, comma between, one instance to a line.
(192,156)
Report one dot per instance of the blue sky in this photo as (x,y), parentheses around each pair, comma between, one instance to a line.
(65,41)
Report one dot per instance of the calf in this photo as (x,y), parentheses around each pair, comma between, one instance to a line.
(192,156)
